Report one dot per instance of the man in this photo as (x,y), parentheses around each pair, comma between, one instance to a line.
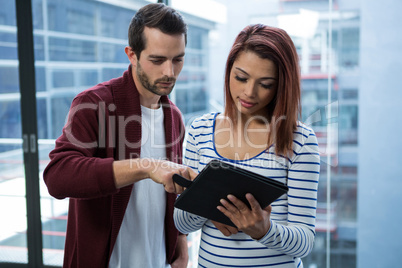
(118,152)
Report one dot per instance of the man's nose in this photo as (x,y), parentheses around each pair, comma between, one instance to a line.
(168,69)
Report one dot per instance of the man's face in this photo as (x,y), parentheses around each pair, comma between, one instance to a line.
(160,62)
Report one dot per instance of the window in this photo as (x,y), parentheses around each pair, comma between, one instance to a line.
(349,56)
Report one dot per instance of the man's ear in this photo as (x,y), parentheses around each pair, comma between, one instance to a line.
(132,57)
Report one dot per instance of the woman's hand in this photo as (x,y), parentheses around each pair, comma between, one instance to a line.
(255,221)
(226,230)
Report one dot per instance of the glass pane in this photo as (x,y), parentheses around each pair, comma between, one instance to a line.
(191,91)
(80,44)
(54,213)
(329,59)
(13,223)
(328,56)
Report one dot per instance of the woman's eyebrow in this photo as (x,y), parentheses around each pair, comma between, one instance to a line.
(241,70)
(262,78)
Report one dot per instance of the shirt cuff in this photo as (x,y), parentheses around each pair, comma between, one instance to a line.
(268,236)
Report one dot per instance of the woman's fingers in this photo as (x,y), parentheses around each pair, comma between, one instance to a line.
(227,207)
(225,211)
(254,222)
(225,229)
(255,206)
(235,210)
(240,206)
(268,209)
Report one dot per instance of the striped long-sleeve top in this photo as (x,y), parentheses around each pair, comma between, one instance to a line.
(292,230)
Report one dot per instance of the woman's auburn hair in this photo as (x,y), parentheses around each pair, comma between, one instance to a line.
(273,44)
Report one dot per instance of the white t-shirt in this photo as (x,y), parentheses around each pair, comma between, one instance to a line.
(141,239)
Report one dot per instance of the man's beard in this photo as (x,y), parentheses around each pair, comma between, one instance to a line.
(146,83)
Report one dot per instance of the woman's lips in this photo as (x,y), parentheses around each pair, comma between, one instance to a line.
(246,104)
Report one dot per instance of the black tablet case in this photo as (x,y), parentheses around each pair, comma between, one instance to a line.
(216,181)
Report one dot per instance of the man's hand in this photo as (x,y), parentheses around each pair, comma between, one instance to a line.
(226,230)
(130,171)
(162,172)
(181,253)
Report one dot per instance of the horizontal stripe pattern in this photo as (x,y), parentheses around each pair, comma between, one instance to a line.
(292,231)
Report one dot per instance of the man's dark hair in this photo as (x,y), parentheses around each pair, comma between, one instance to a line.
(159,16)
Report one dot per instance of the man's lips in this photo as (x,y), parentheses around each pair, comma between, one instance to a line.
(246,104)
(165,84)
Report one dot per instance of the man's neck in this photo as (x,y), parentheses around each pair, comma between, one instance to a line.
(152,103)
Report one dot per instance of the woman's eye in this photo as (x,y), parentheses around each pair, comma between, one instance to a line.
(241,79)
(267,86)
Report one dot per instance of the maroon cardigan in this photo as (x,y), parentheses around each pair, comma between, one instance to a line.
(104,125)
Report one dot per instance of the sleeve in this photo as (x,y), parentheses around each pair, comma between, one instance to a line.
(187,222)
(297,237)
(78,167)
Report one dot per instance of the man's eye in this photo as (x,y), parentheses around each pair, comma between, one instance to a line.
(241,79)
(178,60)
(156,61)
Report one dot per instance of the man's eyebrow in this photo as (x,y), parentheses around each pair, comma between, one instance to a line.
(163,57)
(156,57)
(262,78)
(180,55)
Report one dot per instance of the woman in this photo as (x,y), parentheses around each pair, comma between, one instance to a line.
(258,131)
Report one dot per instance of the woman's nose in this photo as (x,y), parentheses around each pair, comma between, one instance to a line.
(249,89)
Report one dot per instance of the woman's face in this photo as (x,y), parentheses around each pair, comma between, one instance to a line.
(253,84)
